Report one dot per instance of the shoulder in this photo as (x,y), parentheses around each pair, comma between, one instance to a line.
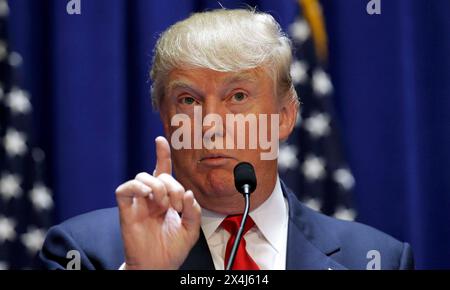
(356,244)
(93,223)
(348,231)
(95,235)
(353,233)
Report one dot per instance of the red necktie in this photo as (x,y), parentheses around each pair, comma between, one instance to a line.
(243,261)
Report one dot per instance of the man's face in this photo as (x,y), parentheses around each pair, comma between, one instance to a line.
(208,170)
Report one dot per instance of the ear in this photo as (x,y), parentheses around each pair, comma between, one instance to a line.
(288,118)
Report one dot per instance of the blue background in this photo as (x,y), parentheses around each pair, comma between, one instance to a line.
(88,76)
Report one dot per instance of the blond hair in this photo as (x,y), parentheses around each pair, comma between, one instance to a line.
(227,41)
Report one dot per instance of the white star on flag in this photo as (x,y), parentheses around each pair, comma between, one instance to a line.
(15,59)
(300,30)
(287,158)
(313,203)
(15,143)
(299,71)
(7,232)
(33,239)
(345,214)
(18,101)
(318,125)
(343,177)
(313,168)
(10,186)
(4,9)
(321,83)
(41,197)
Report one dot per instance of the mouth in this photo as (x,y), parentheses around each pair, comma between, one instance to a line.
(215,159)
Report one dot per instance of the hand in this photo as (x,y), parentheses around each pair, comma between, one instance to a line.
(153,233)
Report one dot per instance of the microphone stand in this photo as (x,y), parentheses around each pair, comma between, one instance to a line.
(246,189)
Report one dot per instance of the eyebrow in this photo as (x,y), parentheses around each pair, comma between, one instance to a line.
(180,84)
(235,78)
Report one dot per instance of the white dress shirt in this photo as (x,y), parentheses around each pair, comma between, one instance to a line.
(266,242)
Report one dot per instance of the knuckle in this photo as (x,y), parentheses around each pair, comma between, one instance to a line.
(141,175)
(119,189)
(165,177)
(171,183)
(122,188)
(135,184)
(159,186)
(179,190)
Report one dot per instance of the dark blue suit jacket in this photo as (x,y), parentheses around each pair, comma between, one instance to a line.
(315,241)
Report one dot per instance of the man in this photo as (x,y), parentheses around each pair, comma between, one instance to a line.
(219,64)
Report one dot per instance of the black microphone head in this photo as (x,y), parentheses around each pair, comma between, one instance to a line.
(244,173)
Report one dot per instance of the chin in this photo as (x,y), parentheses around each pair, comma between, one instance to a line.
(220,182)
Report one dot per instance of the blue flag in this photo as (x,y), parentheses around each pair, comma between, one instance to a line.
(312,162)
(25,201)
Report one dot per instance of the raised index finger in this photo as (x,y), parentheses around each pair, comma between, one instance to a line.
(163,160)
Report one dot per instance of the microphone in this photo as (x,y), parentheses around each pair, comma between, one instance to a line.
(245,183)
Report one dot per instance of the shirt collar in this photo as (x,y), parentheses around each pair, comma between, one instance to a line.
(210,222)
(270,217)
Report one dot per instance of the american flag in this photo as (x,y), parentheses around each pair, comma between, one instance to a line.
(311,162)
(25,201)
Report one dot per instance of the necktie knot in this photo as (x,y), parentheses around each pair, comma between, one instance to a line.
(232,222)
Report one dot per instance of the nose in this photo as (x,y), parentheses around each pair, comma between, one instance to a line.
(214,112)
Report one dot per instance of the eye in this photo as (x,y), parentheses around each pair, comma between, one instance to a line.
(239,97)
(187,100)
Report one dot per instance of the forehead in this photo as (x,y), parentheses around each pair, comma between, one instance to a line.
(208,77)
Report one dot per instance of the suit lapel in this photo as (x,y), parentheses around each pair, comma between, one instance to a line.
(302,254)
(199,257)
(306,247)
